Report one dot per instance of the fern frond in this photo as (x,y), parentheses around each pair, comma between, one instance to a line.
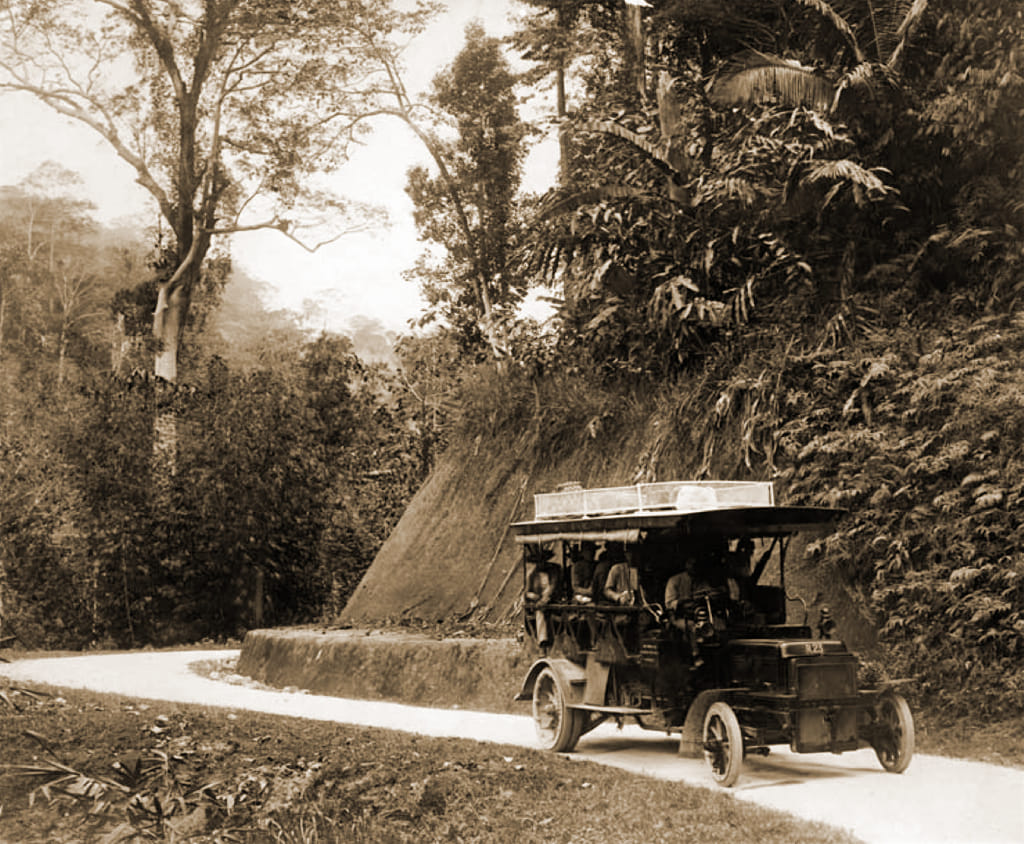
(912,16)
(730,188)
(772,79)
(891,24)
(845,170)
(861,76)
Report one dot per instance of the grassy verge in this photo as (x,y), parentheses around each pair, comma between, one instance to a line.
(999,742)
(81,766)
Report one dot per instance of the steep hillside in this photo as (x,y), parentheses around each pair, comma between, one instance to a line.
(451,554)
(918,434)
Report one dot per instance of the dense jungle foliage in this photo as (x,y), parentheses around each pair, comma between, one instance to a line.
(788,228)
(915,430)
(136,511)
(791,233)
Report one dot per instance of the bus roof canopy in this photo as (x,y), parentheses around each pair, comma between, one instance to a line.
(690,508)
(732,522)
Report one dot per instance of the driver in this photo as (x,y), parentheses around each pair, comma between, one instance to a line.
(681,594)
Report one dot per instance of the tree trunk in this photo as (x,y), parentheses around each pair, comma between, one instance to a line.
(673,137)
(497,343)
(3,314)
(173,299)
(168,328)
(3,585)
(635,48)
(563,137)
(62,355)
(257,598)
(94,603)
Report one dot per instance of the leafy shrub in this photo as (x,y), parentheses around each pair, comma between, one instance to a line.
(927,461)
(147,513)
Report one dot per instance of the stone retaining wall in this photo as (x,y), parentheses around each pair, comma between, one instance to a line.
(473,674)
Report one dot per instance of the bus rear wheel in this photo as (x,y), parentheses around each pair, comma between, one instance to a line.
(558,726)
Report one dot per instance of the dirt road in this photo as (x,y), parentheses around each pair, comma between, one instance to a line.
(936,800)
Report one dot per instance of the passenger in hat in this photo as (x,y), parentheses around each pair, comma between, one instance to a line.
(541,586)
(607,557)
(583,567)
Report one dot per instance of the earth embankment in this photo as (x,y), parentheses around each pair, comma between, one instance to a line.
(452,556)
(476,674)
(452,559)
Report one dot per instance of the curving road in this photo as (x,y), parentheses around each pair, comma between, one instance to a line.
(936,800)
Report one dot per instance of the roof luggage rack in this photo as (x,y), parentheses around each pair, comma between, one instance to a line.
(573,501)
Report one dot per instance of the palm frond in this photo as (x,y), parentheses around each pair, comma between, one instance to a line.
(656,151)
(55,775)
(770,79)
(566,203)
(861,76)
(912,16)
(905,29)
(838,21)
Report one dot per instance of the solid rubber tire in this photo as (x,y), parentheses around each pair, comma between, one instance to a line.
(721,724)
(558,727)
(895,712)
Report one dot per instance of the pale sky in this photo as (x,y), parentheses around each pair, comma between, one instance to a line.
(360,274)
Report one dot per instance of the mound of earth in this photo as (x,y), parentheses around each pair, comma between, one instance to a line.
(452,559)
(452,556)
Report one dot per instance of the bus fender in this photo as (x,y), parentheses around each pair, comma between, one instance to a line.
(571,676)
(691,742)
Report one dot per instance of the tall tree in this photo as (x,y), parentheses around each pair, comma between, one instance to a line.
(546,36)
(556,34)
(224,108)
(469,209)
(57,278)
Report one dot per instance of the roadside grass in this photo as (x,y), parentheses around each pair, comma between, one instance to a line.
(79,766)
(998,742)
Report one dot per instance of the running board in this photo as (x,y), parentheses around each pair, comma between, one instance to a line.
(611,710)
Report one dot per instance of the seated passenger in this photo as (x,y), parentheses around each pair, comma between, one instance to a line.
(681,594)
(738,576)
(740,558)
(606,558)
(541,586)
(680,591)
(623,584)
(583,573)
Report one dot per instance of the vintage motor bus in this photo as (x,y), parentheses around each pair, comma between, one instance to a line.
(717,662)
